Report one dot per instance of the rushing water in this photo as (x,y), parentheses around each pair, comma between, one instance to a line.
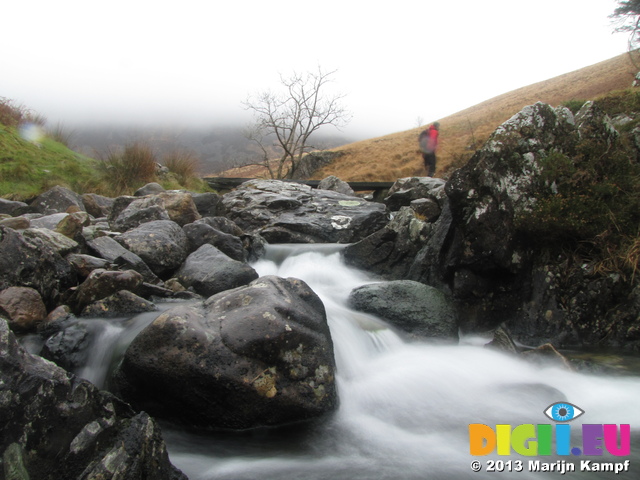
(405,407)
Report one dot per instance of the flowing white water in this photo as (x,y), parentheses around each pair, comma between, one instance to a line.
(405,407)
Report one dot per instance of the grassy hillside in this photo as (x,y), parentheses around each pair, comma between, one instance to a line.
(395,156)
(28,168)
(32,160)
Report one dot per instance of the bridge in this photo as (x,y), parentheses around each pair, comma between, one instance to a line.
(225,184)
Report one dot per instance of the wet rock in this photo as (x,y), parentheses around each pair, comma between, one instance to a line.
(390,251)
(252,356)
(209,204)
(97,206)
(102,283)
(58,314)
(502,341)
(85,264)
(30,262)
(23,307)
(478,253)
(174,285)
(222,224)
(426,208)
(418,309)
(201,233)
(547,355)
(161,244)
(592,122)
(333,183)
(48,221)
(71,226)
(209,271)
(10,207)
(17,223)
(57,241)
(284,212)
(180,207)
(149,189)
(175,206)
(406,190)
(54,425)
(109,249)
(119,304)
(57,200)
(130,212)
(69,341)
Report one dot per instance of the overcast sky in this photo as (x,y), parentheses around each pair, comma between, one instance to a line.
(195,62)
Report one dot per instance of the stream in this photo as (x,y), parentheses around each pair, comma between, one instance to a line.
(405,406)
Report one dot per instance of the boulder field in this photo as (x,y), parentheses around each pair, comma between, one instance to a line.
(240,351)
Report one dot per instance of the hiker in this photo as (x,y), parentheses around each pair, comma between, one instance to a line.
(428,141)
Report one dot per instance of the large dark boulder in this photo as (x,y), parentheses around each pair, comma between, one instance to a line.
(418,309)
(54,425)
(253,356)
(161,244)
(283,212)
(57,200)
(477,252)
(30,262)
(483,260)
(390,252)
(209,271)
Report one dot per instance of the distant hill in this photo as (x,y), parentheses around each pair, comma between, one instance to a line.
(218,147)
(394,156)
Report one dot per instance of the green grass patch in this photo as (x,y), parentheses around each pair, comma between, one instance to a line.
(28,168)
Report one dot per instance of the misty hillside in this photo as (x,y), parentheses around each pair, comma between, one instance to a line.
(394,156)
(219,148)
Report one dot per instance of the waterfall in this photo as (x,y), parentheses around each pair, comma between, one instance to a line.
(405,406)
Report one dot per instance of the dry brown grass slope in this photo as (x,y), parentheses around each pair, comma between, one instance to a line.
(395,156)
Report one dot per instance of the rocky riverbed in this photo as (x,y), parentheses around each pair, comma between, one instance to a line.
(241,350)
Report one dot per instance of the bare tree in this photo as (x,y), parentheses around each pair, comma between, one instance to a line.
(627,16)
(284,122)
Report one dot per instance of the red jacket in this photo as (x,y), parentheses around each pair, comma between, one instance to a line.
(429,140)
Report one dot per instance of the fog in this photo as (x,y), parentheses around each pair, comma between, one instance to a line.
(193,63)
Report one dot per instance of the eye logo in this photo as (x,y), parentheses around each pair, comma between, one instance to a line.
(563,412)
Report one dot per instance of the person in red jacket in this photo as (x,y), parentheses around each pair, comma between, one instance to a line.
(428,141)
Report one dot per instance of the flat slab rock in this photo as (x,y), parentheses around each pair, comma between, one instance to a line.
(284,212)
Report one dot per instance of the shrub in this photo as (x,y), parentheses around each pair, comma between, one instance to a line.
(183,164)
(574,105)
(12,114)
(129,169)
(590,204)
(60,134)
